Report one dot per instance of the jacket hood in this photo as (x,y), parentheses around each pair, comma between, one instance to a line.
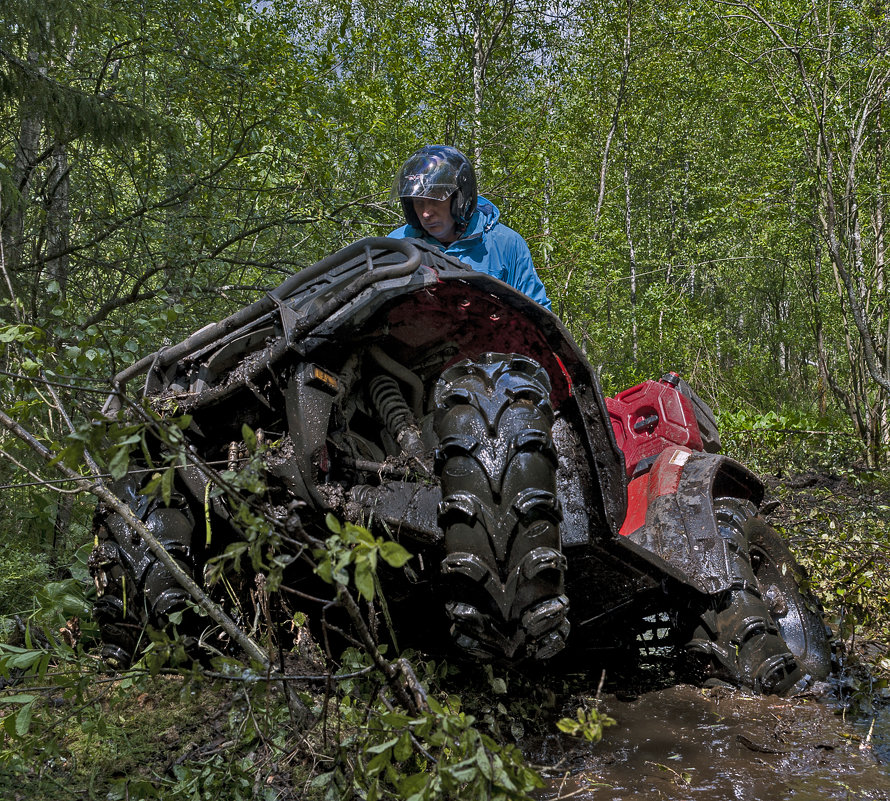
(483,220)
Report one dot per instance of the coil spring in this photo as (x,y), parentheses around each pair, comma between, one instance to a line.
(390,403)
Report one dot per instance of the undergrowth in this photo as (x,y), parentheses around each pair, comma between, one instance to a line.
(162,730)
(169,728)
(72,731)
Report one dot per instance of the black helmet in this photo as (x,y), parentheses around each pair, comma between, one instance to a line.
(437,172)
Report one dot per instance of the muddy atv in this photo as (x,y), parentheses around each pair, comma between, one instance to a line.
(398,388)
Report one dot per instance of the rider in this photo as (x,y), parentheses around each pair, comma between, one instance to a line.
(437,189)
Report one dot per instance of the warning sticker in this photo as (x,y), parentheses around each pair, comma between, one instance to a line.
(679,458)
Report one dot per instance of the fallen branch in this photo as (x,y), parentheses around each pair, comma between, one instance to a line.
(415,702)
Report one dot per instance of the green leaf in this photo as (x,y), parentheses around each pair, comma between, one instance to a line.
(322,781)
(18,698)
(413,785)
(325,571)
(119,463)
(18,333)
(236,548)
(364,579)
(23,660)
(167,485)
(396,720)
(333,524)
(568,725)
(483,762)
(394,554)
(23,719)
(381,747)
(403,749)
(249,437)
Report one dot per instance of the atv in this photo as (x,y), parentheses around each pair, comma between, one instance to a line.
(398,388)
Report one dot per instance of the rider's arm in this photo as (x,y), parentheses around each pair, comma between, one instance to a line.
(522,274)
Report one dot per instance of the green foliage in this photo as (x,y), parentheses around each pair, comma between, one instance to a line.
(40,650)
(256,138)
(790,440)
(21,573)
(587,723)
(437,755)
(112,736)
(111,444)
(838,529)
(218,777)
(354,546)
(134,735)
(460,762)
(26,590)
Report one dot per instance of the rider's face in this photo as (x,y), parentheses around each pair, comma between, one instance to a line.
(435,217)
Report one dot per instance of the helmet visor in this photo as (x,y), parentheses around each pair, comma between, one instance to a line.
(428,175)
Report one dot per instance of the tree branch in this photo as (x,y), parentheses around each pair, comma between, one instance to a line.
(97,487)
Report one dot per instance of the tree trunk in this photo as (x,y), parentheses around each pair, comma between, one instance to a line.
(478,89)
(632,257)
(26,156)
(58,219)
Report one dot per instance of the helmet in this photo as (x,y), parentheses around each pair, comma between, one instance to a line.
(437,172)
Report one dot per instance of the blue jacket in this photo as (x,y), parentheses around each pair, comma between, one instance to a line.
(490,247)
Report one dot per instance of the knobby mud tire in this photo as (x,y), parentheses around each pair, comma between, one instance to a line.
(134,588)
(503,570)
(784,587)
(737,639)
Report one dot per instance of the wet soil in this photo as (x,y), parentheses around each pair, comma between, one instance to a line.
(685,743)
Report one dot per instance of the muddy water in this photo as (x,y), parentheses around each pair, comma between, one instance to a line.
(685,743)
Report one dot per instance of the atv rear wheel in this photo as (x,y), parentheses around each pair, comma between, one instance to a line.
(785,589)
(503,569)
(135,589)
(737,639)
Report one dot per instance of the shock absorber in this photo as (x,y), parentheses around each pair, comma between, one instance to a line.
(389,401)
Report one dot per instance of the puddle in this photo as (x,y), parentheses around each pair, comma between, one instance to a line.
(686,743)
(876,729)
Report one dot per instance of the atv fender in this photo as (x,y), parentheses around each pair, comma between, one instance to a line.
(310,396)
(671,514)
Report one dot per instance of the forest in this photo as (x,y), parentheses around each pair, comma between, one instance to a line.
(701,184)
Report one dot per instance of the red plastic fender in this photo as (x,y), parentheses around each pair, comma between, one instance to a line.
(662,479)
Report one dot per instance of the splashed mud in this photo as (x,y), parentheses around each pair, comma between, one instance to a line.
(685,743)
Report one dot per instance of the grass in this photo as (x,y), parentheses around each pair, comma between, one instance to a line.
(142,736)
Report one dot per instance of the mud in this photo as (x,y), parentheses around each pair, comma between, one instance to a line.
(685,743)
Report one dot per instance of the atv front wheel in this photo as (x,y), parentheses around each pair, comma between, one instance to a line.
(503,569)
(738,640)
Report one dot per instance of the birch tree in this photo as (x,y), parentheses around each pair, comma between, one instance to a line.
(828,66)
